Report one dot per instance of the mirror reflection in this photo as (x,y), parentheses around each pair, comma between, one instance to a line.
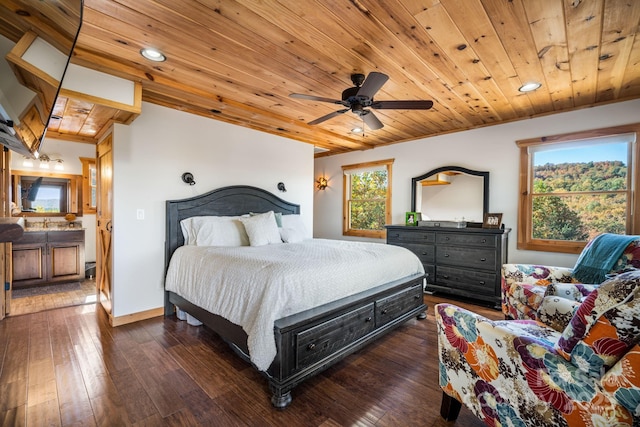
(451,193)
(50,194)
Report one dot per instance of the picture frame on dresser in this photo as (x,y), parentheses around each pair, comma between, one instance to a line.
(412,218)
(492,220)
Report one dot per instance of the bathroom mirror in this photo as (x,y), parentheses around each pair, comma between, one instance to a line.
(451,193)
(44,194)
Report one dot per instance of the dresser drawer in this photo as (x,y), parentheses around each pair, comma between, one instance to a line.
(391,307)
(485,241)
(430,272)
(412,235)
(476,281)
(466,257)
(426,253)
(320,341)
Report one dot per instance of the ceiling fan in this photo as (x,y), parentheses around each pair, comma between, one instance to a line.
(360,96)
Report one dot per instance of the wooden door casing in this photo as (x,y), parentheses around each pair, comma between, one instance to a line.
(104,266)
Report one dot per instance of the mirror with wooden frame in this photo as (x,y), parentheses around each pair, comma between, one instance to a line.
(45,194)
(451,193)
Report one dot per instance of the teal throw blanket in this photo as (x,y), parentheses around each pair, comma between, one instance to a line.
(600,257)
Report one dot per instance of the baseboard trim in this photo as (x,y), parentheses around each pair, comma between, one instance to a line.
(135,317)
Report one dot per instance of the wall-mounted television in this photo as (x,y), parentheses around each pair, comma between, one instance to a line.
(32,69)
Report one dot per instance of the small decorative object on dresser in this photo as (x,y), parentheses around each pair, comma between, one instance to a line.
(412,218)
(492,220)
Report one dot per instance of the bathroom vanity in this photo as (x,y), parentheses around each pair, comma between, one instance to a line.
(48,256)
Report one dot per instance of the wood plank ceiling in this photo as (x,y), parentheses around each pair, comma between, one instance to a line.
(239,60)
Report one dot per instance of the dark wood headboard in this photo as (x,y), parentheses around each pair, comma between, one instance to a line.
(225,201)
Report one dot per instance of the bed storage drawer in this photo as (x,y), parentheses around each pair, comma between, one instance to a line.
(315,343)
(389,308)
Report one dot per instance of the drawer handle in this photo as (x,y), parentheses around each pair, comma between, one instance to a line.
(385,311)
(483,259)
(482,282)
(446,255)
(311,346)
(416,297)
(484,240)
(445,276)
(446,239)
(424,253)
(368,319)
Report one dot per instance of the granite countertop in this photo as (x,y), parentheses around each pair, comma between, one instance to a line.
(34,226)
(30,229)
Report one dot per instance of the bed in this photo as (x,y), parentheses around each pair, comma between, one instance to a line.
(308,341)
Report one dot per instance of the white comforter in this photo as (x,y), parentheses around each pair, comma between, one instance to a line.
(254,286)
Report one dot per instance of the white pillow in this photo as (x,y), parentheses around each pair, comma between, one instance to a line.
(214,231)
(295,223)
(290,235)
(262,229)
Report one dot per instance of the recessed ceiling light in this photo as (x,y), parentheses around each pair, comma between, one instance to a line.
(153,54)
(356,130)
(529,87)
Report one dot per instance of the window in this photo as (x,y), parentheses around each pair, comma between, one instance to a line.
(367,198)
(89,185)
(576,186)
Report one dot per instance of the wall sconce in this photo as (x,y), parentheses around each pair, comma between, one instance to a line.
(45,160)
(187,178)
(322,183)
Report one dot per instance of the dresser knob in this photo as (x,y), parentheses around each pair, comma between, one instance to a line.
(311,346)
(482,282)
(445,276)
(484,240)
(385,311)
(368,319)
(446,255)
(446,238)
(483,259)
(416,297)
(424,253)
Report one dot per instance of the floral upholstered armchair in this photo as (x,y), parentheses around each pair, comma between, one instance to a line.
(525,373)
(552,294)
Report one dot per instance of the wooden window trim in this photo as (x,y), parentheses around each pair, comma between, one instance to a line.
(346,230)
(525,242)
(86,186)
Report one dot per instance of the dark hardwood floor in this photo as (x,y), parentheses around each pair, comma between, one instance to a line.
(68,367)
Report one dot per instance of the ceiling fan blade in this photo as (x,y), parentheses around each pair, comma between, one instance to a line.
(372,84)
(371,120)
(315,98)
(327,117)
(402,105)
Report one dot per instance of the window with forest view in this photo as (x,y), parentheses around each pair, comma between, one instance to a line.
(367,198)
(575,190)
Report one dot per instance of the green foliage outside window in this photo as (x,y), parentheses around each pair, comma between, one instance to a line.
(367,200)
(600,206)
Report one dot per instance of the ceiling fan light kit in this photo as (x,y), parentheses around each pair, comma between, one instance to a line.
(360,96)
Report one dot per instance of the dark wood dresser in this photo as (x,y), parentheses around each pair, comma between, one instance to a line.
(459,261)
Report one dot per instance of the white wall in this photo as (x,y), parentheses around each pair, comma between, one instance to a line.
(70,153)
(150,156)
(491,148)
